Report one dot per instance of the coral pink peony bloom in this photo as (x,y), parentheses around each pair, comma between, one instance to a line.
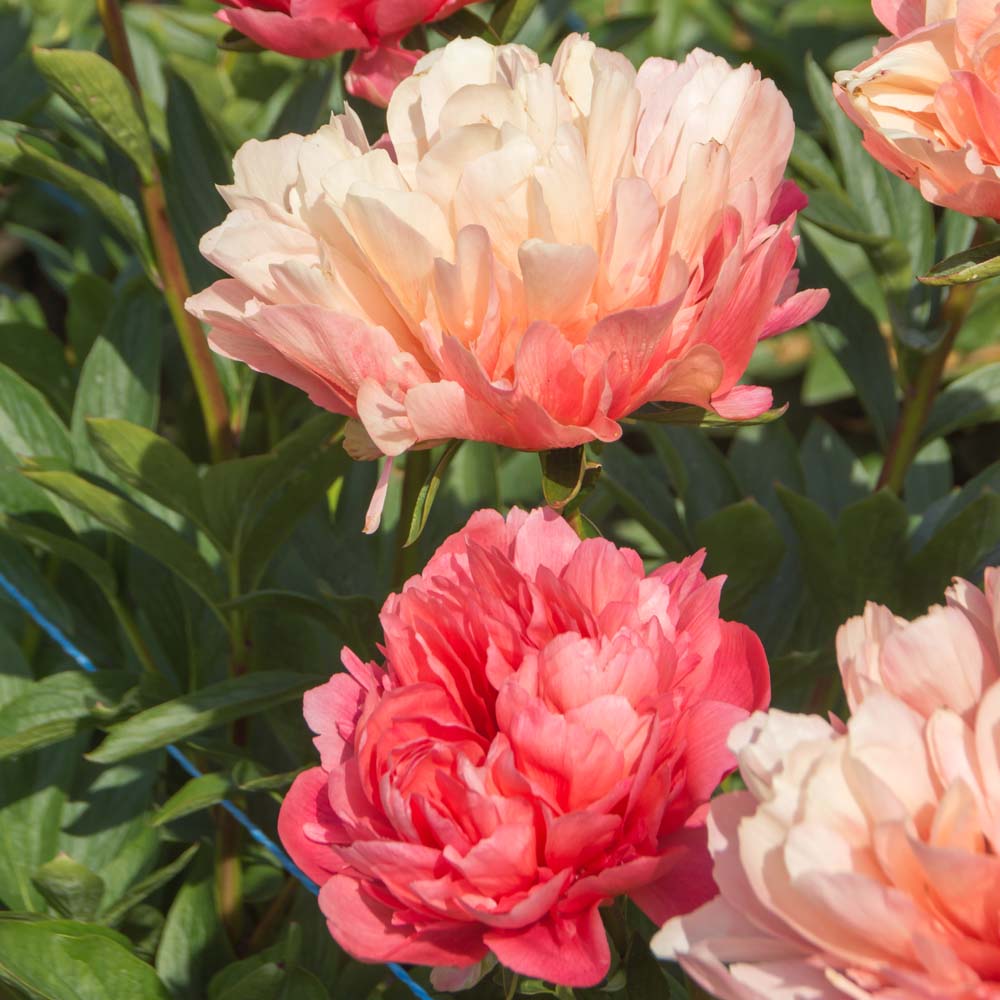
(929,100)
(533,252)
(863,859)
(543,737)
(314,29)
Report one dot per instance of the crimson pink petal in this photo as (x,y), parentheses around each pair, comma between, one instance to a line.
(305,816)
(570,950)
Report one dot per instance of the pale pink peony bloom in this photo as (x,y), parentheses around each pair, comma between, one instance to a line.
(544,735)
(314,29)
(531,254)
(862,861)
(929,100)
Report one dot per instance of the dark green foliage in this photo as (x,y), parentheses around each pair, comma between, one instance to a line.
(212,596)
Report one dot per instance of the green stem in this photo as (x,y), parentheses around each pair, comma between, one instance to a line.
(176,289)
(574,518)
(416,470)
(515,981)
(922,391)
(229,875)
(272,918)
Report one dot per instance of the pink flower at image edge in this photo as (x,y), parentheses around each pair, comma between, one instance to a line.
(544,736)
(315,29)
(927,101)
(862,860)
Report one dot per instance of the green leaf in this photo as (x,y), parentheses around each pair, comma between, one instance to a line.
(40,359)
(474,479)
(464,23)
(91,300)
(28,428)
(198,162)
(211,706)
(308,106)
(930,477)
(853,335)
(136,527)
(105,825)
(562,475)
(99,92)
(833,212)
(248,779)
(638,486)
(65,549)
(616,32)
(23,570)
(197,794)
(956,549)
(701,474)
(28,425)
(429,490)
(230,495)
(969,401)
(853,14)
(119,212)
(644,975)
(304,487)
(834,476)
(320,434)
(72,889)
(33,793)
(60,960)
(823,562)
(263,983)
(302,985)
(683,415)
(975,264)
(148,885)
(858,169)
(872,536)
(58,707)
(236,41)
(351,618)
(149,463)
(509,16)
(809,160)
(763,456)
(121,376)
(194,943)
(743,542)
(266,980)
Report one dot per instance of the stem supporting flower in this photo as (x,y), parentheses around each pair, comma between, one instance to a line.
(176,289)
(921,392)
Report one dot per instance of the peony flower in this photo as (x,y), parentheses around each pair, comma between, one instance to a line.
(314,29)
(929,100)
(545,732)
(862,861)
(533,252)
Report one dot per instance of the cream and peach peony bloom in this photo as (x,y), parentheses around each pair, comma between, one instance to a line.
(863,860)
(530,254)
(543,736)
(314,29)
(929,100)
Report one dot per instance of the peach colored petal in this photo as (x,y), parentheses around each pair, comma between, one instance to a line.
(530,255)
(926,102)
(861,860)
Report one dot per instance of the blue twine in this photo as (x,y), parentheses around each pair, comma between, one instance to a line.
(84,662)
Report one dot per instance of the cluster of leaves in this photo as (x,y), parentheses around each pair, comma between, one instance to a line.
(207,593)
